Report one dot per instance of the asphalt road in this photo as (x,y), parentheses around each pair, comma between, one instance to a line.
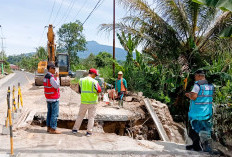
(24,78)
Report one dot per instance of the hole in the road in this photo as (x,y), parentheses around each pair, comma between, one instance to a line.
(138,130)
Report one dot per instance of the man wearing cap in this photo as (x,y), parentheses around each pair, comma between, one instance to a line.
(89,89)
(52,93)
(120,87)
(200,113)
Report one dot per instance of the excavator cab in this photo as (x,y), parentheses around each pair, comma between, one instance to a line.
(62,61)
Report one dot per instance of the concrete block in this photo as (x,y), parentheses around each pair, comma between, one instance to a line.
(140,94)
(5,130)
(128,99)
(80,73)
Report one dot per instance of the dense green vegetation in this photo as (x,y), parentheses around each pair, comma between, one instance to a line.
(6,66)
(71,40)
(176,40)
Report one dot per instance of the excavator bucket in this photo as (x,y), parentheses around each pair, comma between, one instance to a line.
(39,80)
(65,81)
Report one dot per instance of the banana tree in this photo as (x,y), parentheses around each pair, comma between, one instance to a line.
(129,43)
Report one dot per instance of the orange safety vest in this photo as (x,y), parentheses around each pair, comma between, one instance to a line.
(123,88)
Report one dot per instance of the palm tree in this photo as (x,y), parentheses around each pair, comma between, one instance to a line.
(41,53)
(176,29)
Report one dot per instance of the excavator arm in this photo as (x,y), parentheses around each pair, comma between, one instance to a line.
(61,60)
(51,44)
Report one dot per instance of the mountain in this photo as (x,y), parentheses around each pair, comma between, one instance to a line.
(94,48)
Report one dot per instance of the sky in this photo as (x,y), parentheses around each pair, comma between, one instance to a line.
(23,21)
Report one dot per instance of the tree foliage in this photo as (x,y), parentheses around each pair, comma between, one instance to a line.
(71,40)
(174,30)
(41,53)
(103,59)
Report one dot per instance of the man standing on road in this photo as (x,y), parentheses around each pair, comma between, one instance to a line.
(89,89)
(52,94)
(121,88)
(200,113)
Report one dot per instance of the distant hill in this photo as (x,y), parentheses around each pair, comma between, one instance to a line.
(95,48)
(92,47)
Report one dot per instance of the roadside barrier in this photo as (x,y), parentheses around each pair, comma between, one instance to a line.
(10,121)
(13,100)
(20,98)
(7,129)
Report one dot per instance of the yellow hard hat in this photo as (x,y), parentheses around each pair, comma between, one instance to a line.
(120,73)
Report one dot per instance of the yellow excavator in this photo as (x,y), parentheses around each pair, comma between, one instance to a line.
(61,60)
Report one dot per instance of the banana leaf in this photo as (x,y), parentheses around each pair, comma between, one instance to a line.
(225,5)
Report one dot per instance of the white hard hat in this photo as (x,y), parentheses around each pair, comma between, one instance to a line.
(120,73)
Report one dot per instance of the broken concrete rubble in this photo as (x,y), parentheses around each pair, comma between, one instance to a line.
(135,104)
(128,99)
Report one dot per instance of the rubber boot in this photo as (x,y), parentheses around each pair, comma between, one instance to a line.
(206,141)
(120,103)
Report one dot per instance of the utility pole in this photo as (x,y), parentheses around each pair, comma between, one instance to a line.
(2,56)
(2,69)
(114,36)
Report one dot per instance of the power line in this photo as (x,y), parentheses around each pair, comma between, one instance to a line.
(46,23)
(70,4)
(51,11)
(58,11)
(80,10)
(96,6)
(41,37)
(69,11)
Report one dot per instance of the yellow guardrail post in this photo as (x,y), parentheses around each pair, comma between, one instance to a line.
(20,96)
(10,121)
(7,118)
(13,100)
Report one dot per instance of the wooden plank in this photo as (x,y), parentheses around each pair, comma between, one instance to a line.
(156,120)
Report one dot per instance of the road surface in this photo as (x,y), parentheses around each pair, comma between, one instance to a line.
(34,141)
(19,77)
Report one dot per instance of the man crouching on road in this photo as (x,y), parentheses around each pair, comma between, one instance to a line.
(52,94)
(89,89)
(200,113)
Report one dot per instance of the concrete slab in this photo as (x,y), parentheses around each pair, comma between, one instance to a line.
(36,142)
(9,155)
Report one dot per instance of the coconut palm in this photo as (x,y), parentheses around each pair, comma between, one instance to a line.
(41,53)
(173,29)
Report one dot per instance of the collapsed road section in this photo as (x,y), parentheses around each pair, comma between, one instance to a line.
(128,130)
(132,120)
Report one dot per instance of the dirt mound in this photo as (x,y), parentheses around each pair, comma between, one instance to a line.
(144,127)
(174,130)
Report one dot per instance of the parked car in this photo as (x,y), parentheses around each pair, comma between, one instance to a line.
(71,74)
